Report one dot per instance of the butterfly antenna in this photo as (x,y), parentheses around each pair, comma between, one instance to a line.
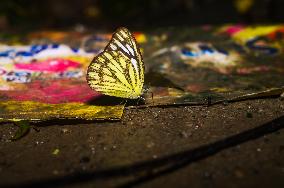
(209,101)
(152,96)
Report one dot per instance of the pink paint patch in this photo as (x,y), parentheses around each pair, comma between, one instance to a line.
(51,65)
(195,88)
(206,27)
(231,30)
(55,92)
(251,70)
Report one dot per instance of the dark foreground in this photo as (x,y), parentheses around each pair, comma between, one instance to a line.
(233,145)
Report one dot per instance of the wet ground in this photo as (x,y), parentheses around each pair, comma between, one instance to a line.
(226,145)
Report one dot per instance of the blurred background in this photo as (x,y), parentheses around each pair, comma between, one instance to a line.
(138,14)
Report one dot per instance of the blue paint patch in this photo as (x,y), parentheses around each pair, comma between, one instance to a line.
(189,53)
(24,53)
(267,50)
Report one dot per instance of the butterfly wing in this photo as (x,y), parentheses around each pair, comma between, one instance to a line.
(119,70)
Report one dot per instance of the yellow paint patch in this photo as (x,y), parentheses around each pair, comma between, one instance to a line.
(36,111)
(252,32)
(220,89)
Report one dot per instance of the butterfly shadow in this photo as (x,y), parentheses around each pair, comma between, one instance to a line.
(156,79)
(112,101)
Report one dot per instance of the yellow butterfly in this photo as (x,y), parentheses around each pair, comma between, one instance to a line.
(119,70)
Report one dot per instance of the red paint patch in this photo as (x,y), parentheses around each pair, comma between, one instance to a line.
(277,35)
(54,92)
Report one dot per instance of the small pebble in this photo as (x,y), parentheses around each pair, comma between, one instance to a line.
(56,151)
(150,145)
(183,134)
(55,172)
(65,131)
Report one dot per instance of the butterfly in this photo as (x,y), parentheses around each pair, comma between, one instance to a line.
(119,70)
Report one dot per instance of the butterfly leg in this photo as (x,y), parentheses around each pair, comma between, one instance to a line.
(123,102)
(139,99)
(152,95)
(209,101)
